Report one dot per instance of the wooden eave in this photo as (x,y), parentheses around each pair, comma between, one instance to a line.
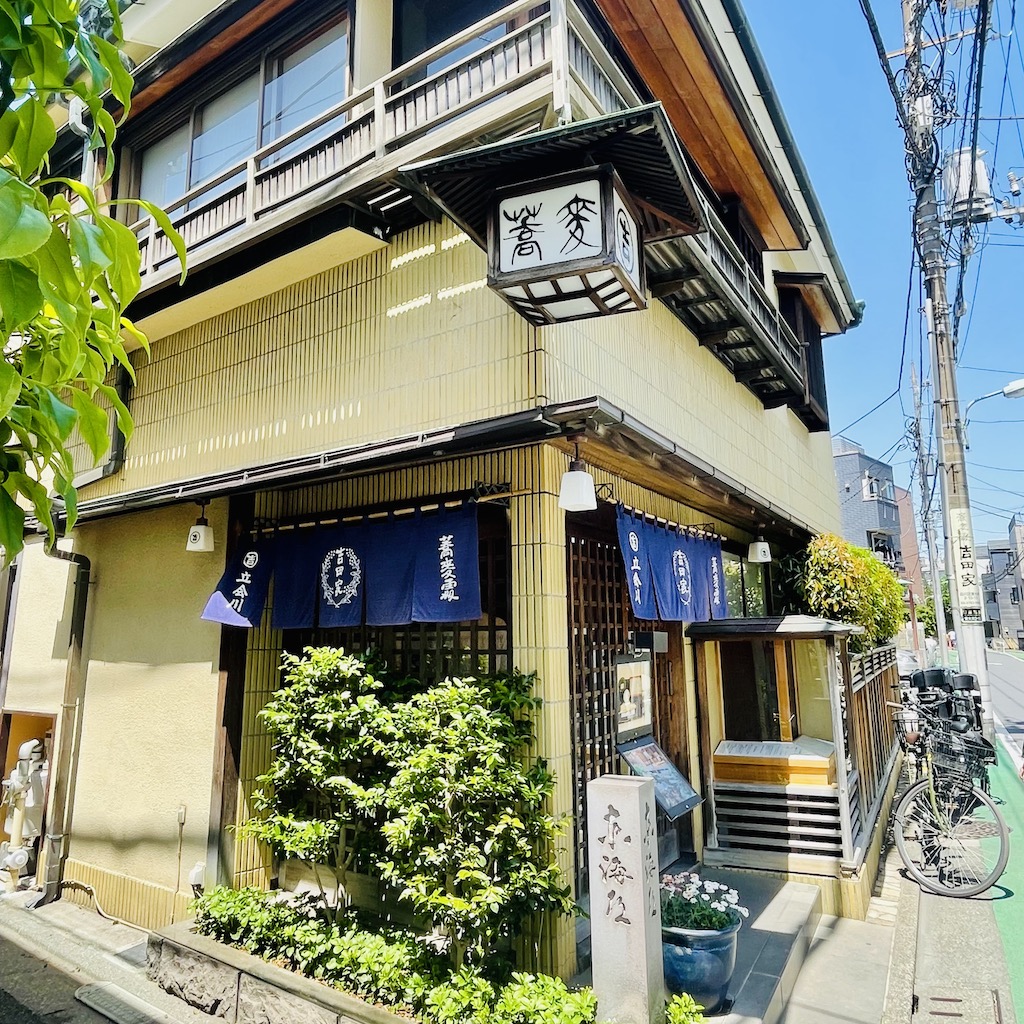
(818,294)
(668,54)
(206,42)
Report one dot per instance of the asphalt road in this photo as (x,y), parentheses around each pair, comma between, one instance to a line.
(1006,679)
(35,992)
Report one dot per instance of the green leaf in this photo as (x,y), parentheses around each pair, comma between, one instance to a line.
(12,525)
(23,229)
(20,295)
(63,416)
(10,387)
(93,424)
(124,417)
(121,82)
(34,138)
(90,246)
(165,225)
(9,125)
(123,273)
(61,285)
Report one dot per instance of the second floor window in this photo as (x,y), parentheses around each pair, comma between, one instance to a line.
(299,81)
(879,487)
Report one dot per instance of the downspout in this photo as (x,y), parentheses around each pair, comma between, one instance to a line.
(59,821)
(752,53)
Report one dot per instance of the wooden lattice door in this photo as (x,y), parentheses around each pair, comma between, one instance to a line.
(600,623)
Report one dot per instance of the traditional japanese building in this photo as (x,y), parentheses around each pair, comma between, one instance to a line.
(436,251)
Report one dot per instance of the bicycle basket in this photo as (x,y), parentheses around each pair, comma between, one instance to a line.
(959,753)
(908,721)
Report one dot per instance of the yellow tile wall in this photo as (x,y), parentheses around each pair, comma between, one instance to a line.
(652,367)
(409,339)
(406,339)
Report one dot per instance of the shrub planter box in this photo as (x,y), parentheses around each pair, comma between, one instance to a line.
(239,988)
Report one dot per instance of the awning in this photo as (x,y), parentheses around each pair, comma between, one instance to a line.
(796,627)
(640,144)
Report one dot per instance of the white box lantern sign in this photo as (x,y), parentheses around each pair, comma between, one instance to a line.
(567,247)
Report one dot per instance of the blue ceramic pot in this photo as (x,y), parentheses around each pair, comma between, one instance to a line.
(700,963)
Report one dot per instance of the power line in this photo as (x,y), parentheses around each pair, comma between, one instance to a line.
(993,369)
(998,469)
(903,355)
(883,60)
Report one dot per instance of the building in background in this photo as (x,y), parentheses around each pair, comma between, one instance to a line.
(1015,535)
(867,502)
(913,565)
(997,566)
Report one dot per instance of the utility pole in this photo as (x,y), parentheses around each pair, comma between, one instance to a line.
(964,583)
(924,473)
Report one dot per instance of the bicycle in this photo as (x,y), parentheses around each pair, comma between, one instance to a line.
(948,831)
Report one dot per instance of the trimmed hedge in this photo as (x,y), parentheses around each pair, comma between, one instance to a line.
(390,967)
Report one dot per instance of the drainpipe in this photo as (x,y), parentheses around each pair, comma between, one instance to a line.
(752,52)
(59,819)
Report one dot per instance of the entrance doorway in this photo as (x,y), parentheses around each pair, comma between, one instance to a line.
(601,625)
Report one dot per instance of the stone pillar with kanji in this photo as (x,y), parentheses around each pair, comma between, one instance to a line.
(625,906)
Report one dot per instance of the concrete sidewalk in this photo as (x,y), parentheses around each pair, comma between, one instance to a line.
(852,972)
(81,948)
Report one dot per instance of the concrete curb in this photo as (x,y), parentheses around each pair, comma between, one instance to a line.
(899,989)
(237,986)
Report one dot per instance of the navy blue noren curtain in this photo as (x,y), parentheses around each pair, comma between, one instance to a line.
(447,580)
(634,542)
(241,593)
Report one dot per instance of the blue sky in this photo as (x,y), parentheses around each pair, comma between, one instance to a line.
(822,62)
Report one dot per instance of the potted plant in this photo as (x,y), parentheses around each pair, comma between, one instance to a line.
(700,920)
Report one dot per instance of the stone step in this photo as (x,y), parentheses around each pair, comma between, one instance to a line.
(772,948)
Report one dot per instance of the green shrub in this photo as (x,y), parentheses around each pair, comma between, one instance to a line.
(246,918)
(469,843)
(325,777)
(541,999)
(390,967)
(465,998)
(437,785)
(681,1009)
(849,584)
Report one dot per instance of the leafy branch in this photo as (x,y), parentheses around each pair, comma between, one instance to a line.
(68,269)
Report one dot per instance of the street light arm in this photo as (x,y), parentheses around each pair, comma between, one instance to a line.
(1015,389)
(965,419)
(974,401)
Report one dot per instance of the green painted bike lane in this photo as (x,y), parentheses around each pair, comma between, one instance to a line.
(1009,912)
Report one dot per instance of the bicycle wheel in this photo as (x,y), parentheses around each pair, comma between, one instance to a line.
(954,845)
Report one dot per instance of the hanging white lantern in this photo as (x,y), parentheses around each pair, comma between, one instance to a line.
(567,247)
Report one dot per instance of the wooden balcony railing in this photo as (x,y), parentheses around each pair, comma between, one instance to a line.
(540,69)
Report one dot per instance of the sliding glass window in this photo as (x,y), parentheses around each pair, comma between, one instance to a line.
(303,82)
(287,87)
